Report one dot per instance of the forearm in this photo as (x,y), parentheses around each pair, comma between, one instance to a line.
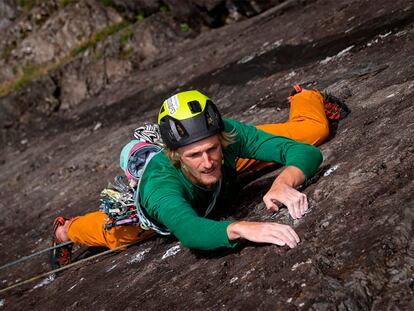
(291,176)
(201,233)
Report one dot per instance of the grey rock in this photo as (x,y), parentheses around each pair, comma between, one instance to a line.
(323,306)
(363,260)
(59,34)
(8,12)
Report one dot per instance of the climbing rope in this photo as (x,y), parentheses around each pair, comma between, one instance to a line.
(149,132)
(68,266)
(34,254)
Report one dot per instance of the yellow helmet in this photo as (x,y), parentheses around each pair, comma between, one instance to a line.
(187,117)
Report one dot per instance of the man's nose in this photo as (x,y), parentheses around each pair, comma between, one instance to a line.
(207,161)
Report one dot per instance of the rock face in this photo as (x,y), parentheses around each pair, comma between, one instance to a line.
(76,43)
(57,34)
(8,12)
(64,31)
(61,136)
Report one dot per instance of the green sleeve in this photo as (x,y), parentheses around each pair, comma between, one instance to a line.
(190,229)
(168,206)
(253,143)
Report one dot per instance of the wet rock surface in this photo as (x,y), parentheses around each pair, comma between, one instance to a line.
(357,250)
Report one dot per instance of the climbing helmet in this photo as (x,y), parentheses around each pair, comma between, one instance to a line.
(187,117)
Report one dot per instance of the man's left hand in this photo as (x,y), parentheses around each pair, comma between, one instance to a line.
(283,191)
(295,201)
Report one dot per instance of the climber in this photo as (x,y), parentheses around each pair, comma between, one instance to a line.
(195,175)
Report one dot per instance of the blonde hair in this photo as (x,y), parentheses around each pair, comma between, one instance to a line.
(225,138)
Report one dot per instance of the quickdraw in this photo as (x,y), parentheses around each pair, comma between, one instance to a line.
(117,201)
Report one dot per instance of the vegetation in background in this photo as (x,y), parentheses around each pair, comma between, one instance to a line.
(31,72)
(98,54)
(28,73)
(26,5)
(106,2)
(99,36)
(185,27)
(139,17)
(25,74)
(164,8)
(125,53)
(125,35)
(15,69)
(5,54)
(64,3)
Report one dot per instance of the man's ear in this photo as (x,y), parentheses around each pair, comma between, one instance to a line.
(183,166)
(177,159)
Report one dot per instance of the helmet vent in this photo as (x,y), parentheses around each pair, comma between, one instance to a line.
(194,106)
(209,119)
(162,109)
(180,129)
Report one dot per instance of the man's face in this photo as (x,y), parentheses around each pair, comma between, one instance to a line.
(201,161)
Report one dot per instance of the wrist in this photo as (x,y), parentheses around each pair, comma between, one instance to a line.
(279,184)
(291,176)
(233,232)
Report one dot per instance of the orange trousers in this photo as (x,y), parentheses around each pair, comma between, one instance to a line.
(307,123)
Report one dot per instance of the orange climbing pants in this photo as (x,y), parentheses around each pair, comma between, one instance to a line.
(307,123)
(88,229)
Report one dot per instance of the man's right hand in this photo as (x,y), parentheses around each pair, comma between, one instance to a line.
(263,232)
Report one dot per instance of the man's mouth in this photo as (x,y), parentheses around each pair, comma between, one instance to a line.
(210,171)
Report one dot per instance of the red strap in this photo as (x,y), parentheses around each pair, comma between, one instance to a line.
(297,88)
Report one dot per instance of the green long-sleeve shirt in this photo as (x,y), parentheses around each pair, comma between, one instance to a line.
(170,199)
